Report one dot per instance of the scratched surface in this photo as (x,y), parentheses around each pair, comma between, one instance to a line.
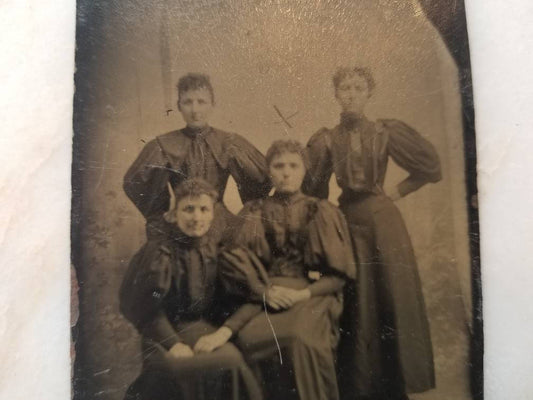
(270,54)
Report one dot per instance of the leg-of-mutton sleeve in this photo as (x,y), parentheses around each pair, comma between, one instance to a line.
(145,285)
(249,169)
(242,273)
(316,182)
(329,249)
(242,269)
(145,183)
(413,153)
(250,230)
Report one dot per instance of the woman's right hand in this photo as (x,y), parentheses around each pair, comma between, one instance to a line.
(180,350)
(208,343)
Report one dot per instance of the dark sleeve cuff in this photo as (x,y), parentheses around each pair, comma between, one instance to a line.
(411,184)
(161,331)
(242,316)
(326,285)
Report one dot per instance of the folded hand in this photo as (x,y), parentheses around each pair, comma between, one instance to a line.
(208,343)
(180,350)
(282,298)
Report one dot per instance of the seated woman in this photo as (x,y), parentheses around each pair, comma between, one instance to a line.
(290,257)
(169,294)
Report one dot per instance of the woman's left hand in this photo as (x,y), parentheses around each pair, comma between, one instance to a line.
(394,194)
(208,343)
(294,296)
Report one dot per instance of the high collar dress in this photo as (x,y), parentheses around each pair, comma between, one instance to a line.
(386,347)
(207,153)
(290,241)
(170,294)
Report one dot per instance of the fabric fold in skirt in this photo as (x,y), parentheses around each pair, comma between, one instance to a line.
(385,346)
(303,366)
(220,375)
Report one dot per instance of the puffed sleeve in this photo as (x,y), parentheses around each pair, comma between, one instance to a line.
(242,268)
(146,283)
(316,182)
(145,181)
(329,248)
(413,153)
(249,230)
(249,169)
(242,274)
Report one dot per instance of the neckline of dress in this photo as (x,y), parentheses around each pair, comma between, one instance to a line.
(178,236)
(288,198)
(195,133)
(351,121)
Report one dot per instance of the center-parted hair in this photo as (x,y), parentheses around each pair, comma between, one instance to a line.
(195,81)
(287,146)
(348,72)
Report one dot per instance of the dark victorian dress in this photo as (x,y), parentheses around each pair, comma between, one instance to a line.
(170,294)
(210,154)
(289,241)
(386,349)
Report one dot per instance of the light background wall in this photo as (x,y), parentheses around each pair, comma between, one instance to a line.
(258,54)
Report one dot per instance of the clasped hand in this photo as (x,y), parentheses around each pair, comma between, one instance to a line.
(282,298)
(206,344)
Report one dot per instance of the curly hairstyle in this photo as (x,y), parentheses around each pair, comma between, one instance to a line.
(287,146)
(195,81)
(195,187)
(348,72)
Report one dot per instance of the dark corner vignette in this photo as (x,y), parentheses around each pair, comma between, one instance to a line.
(449,19)
(89,18)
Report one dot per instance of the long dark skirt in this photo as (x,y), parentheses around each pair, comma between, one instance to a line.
(304,365)
(385,348)
(220,375)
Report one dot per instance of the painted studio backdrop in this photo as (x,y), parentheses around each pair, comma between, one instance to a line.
(261,56)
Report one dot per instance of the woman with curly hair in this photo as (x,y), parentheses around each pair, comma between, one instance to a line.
(385,350)
(171,296)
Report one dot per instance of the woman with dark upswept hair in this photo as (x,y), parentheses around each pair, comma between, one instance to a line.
(290,258)
(385,350)
(196,151)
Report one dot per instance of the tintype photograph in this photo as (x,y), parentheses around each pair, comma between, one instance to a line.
(274,200)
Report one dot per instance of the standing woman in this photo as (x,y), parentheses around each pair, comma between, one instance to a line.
(196,151)
(385,351)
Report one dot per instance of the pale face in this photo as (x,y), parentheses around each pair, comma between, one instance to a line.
(287,171)
(353,93)
(195,214)
(196,107)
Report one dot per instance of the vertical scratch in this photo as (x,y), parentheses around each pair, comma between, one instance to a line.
(166,58)
(272,328)
(103,167)
(139,102)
